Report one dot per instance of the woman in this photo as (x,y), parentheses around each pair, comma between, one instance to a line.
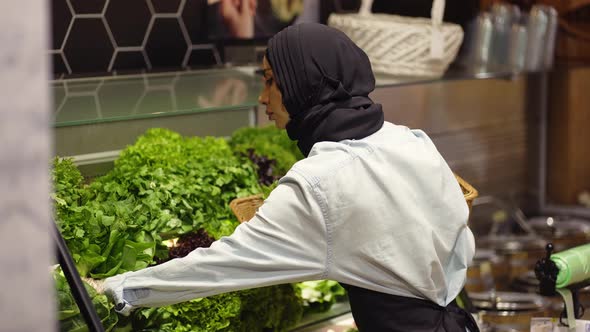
(373,205)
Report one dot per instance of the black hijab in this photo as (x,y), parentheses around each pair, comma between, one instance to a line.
(325,80)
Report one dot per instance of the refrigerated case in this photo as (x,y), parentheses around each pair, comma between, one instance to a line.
(95,118)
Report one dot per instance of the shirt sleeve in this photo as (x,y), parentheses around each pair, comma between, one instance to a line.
(284,242)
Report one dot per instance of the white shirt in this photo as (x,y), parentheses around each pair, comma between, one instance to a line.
(384,213)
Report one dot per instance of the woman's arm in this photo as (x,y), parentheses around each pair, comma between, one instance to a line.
(285,242)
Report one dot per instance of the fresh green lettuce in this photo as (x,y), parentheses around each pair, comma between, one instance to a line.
(69,316)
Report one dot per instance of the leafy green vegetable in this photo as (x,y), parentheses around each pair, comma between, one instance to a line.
(162,186)
(70,318)
(320,295)
(103,236)
(214,313)
(180,184)
(273,308)
(270,142)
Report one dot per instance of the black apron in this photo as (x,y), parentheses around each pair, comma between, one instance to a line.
(380,312)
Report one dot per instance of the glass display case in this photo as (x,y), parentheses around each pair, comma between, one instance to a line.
(104,114)
(95,118)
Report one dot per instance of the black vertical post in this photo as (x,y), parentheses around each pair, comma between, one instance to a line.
(76,285)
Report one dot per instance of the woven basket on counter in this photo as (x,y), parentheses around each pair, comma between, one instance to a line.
(469,192)
(403,46)
(245,208)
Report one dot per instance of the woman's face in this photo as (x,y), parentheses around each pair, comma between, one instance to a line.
(273,99)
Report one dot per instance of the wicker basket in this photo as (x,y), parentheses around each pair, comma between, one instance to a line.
(245,208)
(403,46)
(469,192)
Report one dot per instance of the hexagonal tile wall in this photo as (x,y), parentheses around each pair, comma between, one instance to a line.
(166,45)
(59,65)
(201,58)
(129,60)
(165,6)
(98,36)
(88,48)
(88,6)
(195,20)
(128,20)
(62,18)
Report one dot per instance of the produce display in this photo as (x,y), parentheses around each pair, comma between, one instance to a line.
(166,186)
(68,313)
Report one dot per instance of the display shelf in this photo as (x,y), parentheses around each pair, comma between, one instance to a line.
(453,74)
(96,100)
(132,97)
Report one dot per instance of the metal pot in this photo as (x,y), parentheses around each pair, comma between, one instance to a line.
(519,252)
(563,232)
(509,311)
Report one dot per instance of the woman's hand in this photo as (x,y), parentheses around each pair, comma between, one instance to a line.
(97,284)
(238,16)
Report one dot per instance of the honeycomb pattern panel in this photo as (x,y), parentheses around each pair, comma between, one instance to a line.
(165,6)
(201,58)
(129,61)
(128,21)
(194,17)
(88,55)
(166,45)
(88,6)
(96,37)
(59,66)
(62,18)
